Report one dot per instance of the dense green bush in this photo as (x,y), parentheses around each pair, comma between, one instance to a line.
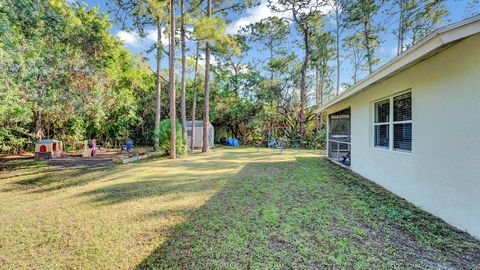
(164,133)
(316,140)
(64,76)
(312,140)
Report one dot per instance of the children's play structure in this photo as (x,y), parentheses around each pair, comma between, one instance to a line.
(277,137)
(198,142)
(89,148)
(90,154)
(47,149)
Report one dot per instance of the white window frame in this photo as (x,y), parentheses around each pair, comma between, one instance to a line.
(391,123)
(388,123)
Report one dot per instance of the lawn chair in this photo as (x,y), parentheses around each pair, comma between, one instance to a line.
(280,145)
(127,147)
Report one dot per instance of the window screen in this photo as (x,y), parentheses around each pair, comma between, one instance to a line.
(402,136)
(382,118)
(381,135)
(382,111)
(402,107)
(402,125)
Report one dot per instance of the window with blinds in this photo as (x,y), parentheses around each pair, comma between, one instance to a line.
(402,122)
(382,123)
(394,116)
(381,136)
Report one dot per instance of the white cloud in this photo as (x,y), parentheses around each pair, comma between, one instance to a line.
(241,68)
(254,15)
(261,12)
(129,38)
(326,9)
(133,39)
(152,36)
(201,60)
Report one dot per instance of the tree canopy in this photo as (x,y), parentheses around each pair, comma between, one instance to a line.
(65,76)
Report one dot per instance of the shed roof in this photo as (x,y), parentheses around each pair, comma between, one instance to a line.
(427,47)
(198,123)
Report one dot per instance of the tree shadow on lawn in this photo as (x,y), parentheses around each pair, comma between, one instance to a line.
(176,178)
(307,214)
(18,164)
(53,178)
(122,192)
(48,178)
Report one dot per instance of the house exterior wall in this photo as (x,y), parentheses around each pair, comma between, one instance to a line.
(442,173)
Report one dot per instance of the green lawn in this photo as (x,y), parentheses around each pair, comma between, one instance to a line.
(231,209)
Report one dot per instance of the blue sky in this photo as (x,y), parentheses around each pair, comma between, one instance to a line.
(456,8)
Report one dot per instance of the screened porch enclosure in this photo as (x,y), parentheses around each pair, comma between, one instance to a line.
(339,135)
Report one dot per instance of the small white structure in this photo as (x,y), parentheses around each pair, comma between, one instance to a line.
(198,141)
(413,126)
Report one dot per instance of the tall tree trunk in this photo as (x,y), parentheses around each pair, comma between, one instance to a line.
(317,98)
(235,76)
(400,29)
(206,117)
(337,39)
(367,46)
(322,80)
(271,69)
(184,67)
(303,84)
(194,105)
(321,120)
(158,86)
(38,124)
(355,73)
(171,77)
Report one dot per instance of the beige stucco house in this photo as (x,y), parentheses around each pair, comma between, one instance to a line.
(413,126)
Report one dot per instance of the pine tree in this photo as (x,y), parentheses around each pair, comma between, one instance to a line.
(141,14)
(171,79)
(305,14)
(360,19)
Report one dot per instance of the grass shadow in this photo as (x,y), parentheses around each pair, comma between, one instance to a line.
(50,178)
(306,214)
(122,192)
(20,164)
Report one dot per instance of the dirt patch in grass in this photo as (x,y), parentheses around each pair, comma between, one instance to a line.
(276,242)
